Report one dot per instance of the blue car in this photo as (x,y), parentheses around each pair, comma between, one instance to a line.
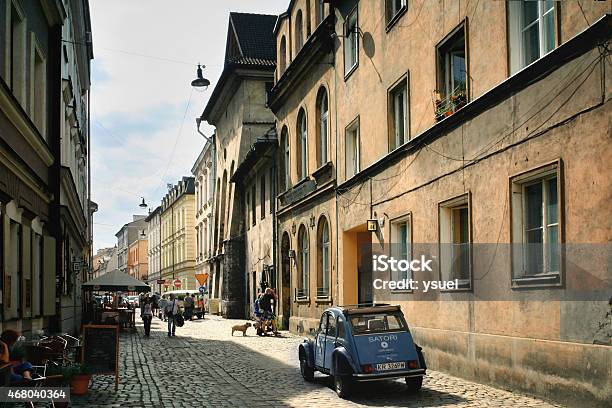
(355,344)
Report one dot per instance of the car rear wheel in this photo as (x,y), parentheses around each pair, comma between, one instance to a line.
(343,385)
(414,383)
(307,372)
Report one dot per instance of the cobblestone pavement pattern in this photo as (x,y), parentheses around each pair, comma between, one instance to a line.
(204,366)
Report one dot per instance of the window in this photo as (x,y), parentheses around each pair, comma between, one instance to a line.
(253,205)
(352,149)
(303,263)
(455,241)
(398,113)
(341,329)
(283,55)
(38,86)
(393,8)
(323,259)
(331,326)
(16,53)
(320,11)
(377,323)
(452,65)
(401,243)
(323,121)
(299,31)
(262,197)
(531,31)
(302,144)
(286,175)
(351,42)
(535,227)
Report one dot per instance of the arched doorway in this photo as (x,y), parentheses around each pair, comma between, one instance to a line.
(286,280)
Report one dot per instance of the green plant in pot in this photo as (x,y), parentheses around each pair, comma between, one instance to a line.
(76,375)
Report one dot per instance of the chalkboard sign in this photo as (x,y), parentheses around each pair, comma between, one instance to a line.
(101,349)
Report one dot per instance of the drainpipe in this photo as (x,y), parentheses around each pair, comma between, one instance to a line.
(332,11)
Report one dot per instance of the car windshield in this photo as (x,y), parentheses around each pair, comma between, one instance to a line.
(377,323)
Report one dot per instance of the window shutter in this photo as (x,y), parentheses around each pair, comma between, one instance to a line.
(49,276)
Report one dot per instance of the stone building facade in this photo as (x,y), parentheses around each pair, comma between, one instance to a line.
(237,108)
(128,234)
(177,219)
(138,265)
(456,129)
(154,249)
(45,217)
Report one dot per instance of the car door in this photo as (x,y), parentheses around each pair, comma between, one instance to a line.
(320,341)
(330,340)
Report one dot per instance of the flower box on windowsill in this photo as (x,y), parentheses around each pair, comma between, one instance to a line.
(447,106)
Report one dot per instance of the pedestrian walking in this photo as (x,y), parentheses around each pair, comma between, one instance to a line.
(188,303)
(163,302)
(171,312)
(147,315)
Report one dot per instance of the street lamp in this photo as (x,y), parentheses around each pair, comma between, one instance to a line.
(143,204)
(200,83)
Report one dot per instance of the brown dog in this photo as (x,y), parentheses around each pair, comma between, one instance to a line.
(241,328)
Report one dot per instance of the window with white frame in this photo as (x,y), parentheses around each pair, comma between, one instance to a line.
(398,111)
(455,241)
(531,30)
(302,144)
(393,9)
(452,66)
(352,149)
(401,244)
(323,270)
(323,118)
(303,264)
(351,42)
(535,227)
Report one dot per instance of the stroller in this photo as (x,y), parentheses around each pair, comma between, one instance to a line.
(262,325)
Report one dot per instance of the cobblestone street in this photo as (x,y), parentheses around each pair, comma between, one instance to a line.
(204,366)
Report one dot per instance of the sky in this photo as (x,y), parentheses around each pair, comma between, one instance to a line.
(143,108)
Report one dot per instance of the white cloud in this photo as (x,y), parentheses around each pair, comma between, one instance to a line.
(138,103)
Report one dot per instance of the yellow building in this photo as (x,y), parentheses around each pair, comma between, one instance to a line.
(178,236)
(452,125)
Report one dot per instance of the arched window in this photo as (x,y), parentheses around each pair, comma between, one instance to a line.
(283,55)
(302,146)
(322,128)
(285,166)
(303,263)
(299,31)
(323,269)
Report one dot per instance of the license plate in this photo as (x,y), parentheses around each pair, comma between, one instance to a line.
(390,366)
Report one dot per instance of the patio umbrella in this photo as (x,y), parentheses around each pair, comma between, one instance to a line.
(115,281)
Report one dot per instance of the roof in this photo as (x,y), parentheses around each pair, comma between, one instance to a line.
(255,37)
(250,44)
(152,213)
(116,281)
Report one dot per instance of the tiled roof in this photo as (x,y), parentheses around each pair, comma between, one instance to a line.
(255,36)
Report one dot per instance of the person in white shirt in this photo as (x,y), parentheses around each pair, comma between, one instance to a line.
(171,312)
(147,315)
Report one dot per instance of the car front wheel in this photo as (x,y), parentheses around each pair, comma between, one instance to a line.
(307,371)
(414,383)
(343,385)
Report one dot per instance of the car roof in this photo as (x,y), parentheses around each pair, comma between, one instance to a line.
(365,308)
